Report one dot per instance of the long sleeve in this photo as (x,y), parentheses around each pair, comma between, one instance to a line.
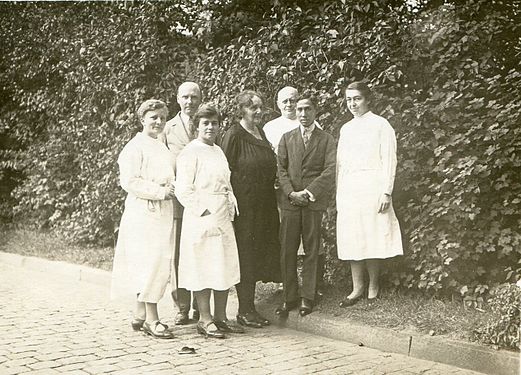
(228,145)
(130,165)
(340,148)
(323,183)
(388,155)
(282,167)
(184,183)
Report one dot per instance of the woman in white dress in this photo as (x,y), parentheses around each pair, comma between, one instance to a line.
(208,257)
(144,248)
(367,228)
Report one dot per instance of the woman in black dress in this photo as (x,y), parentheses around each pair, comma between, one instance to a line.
(254,166)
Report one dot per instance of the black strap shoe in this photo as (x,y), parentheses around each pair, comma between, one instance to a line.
(350,301)
(306,307)
(248,320)
(283,310)
(259,318)
(181,318)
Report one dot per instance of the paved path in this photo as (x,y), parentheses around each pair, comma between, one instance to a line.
(51,324)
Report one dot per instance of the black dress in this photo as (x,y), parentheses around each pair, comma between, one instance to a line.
(253,168)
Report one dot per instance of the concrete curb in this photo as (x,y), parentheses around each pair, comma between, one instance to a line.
(76,272)
(437,349)
(464,355)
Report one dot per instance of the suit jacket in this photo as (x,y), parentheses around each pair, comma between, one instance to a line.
(176,135)
(312,167)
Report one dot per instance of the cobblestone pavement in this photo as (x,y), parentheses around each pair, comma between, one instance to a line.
(52,325)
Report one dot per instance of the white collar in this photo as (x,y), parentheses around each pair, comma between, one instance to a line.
(185,118)
(310,129)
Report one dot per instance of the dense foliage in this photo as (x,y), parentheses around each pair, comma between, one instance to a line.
(445,75)
(504,327)
(73,75)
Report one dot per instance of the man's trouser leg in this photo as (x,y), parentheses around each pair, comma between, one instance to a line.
(290,233)
(180,296)
(311,225)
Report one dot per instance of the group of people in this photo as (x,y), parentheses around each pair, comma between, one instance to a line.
(205,214)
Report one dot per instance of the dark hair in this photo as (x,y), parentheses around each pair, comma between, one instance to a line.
(206,111)
(245,100)
(362,87)
(307,95)
(151,105)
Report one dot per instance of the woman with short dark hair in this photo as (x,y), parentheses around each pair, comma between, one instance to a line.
(254,166)
(367,228)
(208,258)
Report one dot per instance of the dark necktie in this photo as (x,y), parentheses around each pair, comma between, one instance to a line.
(306,136)
(192,129)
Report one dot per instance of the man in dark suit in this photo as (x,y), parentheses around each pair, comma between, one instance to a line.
(306,169)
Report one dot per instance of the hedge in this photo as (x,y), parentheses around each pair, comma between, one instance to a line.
(445,75)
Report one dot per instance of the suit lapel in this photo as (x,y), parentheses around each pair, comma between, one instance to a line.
(297,144)
(182,129)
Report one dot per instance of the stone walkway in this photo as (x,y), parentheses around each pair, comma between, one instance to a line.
(51,324)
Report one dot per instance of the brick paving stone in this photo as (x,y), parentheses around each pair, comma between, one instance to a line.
(71,367)
(153,358)
(46,371)
(5,370)
(130,364)
(43,365)
(111,353)
(76,359)
(134,350)
(159,366)
(22,361)
(21,355)
(191,367)
(102,369)
(70,327)
(249,364)
(51,356)
(102,362)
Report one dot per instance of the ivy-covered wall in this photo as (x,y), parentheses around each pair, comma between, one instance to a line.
(445,74)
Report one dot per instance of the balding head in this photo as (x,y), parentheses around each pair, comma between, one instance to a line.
(189,97)
(286,101)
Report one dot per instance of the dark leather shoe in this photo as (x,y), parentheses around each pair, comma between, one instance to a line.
(207,330)
(137,324)
(306,306)
(259,318)
(248,320)
(283,310)
(373,300)
(158,330)
(350,301)
(228,326)
(181,318)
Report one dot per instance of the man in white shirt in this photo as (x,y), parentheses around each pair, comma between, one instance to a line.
(274,129)
(179,131)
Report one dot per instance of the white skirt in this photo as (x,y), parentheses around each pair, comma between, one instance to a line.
(362,232)
(208,257)
(144,250)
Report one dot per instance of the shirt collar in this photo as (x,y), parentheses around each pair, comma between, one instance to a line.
(311,128)
(185,118)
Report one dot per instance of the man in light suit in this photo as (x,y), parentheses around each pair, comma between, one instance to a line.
(306,170)
(178,132)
